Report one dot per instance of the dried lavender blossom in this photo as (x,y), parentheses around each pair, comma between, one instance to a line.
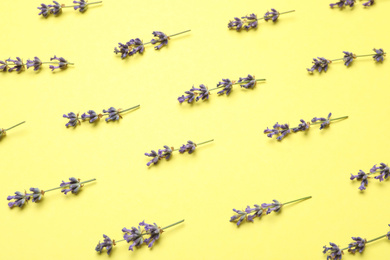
(124,49)
(303,126)
(369,3)
(73,186)
(20,199)
(162,39)
(276,206)
(156,157)
(384,171)
(250,81)
(189,147)
(340,4)
(237,22)
(73,119)
(350,3)
(240,216)
(282,130)
(203,92)
(361,176)
(113,114)
(82,5)
(251,21)
(36,194)
(154,232)
(379,56)
(335,252)
(45,10)
(166,153)
(227,86)
(274,15)
(36,63)
(325,121)
(320,64)
(107,243)
(358,245)
(18,64)
(56,8)
(137,46)
(3,65)
(348,57)
(62,63)
(92,116)
(133,235)
(189,97)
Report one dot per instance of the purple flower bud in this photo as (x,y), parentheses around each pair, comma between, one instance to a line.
(73,186)
(227,86)
(274,15)
(62,63)
(137,46)
(388,234)
(123,49)
(56,8)
(257,212)
(190,96)
(18,64)
(156,157)
(189,147)
(36,195)
(384,172)
(82,5)
(135,235)
(276,206)
(283,130)
(348,57)
(166,153)
(19,198)
(251,20)
(162,39)
(107,243)
(113,114)
(238,23)
(154,232)
(369,3)
(92,116)
(335,252)
(250,84)
(36,63)
(239,217)
(379,56)
(350,3)
(361,176)
(3,65)
(320,64)
(339,4)
(73,119)
(301,127)
(358,245)
(44,10)
(203,92)
(325,121)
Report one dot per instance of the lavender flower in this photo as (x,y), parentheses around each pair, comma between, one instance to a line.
(189,147)
(92,116)
(388,234)
(237,22)
(18,64)
(73,186)
(361,176)
(36,194)
(320,64)
(82,5)
(379,56)
(348,57)
(276,206)
(138,46)
(274,15)
(350,3)
(135,235)
(166,153)
(325,121)
(384,170)
(56,8)
(340,4)
(36,63)
(62,63)
(156,157)
(107,243)
(73,119)
(162,39)
(239,217)
(190,96)
(19,198)
(283,130)
(251,20)
(250,84)
(369,3)
(257,212)
(335,252)
(203,92)
(44,10)
(3,65)
(227,86)
(113,114)
(303,126)
(154,232)
(358,245)
(124,49)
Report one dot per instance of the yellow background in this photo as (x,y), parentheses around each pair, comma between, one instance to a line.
(240,168)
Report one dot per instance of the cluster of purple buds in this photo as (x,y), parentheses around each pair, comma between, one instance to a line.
(358,245)
(382,169)
(111,113)
(282,130)
(18,64)
(320,64)
(56,8)
(107,243)
(168,151)
(73,186)
(251,21)
(343,3)
(369,3)
(335,252)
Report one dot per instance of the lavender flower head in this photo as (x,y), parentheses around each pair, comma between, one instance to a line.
(379,56)
(358,245)
(3,65)
(384,171)
(154,232)
(303,126)
(340,4)
(56,8)
(92,116)
(62,63)
(335,252)
(124,49)
(45,10)
(189,97)
(237,22)
(276,206)
(82,5)
(19,198)
(251,20)
(227,87)
(36,194)
(250,84)
(36,63)
(325,121)
(189,147)
(135,235)
(113,114)
(361,176)
(162,39)
(369,3)
(239,216)
(274,15)
(319,64)
(138,46)
(283,130)
(350,3)
(348,57)
(257,212)
(73,119)
(156,157)
(203,92)
(166,153)
(73,186)
(18,64)
(107,243)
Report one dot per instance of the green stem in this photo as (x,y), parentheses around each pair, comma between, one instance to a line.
(369,241)
(15,126)
(120,240)
(181,221)
(53,62)
(68,185)
(204,143)
(333,119)
(305,198)
(170,36)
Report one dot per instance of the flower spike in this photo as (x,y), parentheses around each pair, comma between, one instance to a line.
(56,8)
(383,170)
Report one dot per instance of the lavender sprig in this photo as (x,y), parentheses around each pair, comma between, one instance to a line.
(74,186)
(137,46)
(343,3)
(382,169)
(3,131)
(258,210)
(135,235)
(168,151)
(56,8)
(203,93)
(36,63)
(251,21)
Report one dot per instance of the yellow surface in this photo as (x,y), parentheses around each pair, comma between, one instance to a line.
(240,168)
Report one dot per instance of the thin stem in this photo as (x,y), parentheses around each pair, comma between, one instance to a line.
(305,198)
(279,14)
(374,172)
(170,36)
(372,240)
(53,62)
(68,185)
(15,126)
(333,119)
(204,143)
(366,55)
(119,240)
(181,221)
(98,2)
